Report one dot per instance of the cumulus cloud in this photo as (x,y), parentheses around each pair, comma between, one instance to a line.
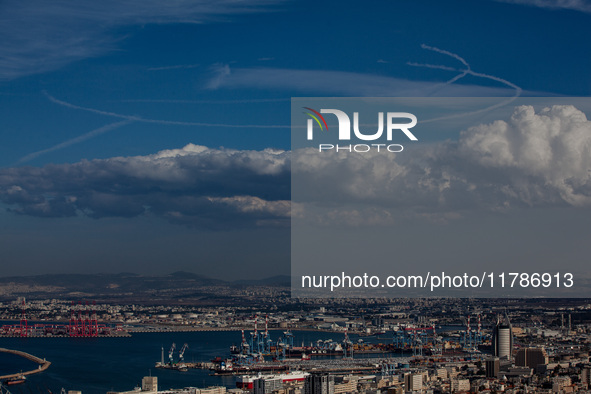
(531,159)
(547,156)
(194,185)
(528,159)
(38,36)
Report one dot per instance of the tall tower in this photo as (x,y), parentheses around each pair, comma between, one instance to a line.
(503,338)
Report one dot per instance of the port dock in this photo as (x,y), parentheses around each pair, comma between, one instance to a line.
(43,364)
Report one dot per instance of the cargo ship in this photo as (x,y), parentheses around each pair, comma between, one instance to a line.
(247,381)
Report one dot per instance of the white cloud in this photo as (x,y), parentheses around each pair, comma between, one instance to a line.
(221,72)
(249,204)
(194,185)
(575,5)
(38,36)
(528,159)
(532,159)
(341,83)
(354,84)
(552,147)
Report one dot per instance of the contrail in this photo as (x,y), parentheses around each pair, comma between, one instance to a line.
(467,71)
(436,66)
(96,111)
(129,118)
(439,67)
(180,66)
(158,121)
(73,141)
(463,73)
(245,101)
(448,53)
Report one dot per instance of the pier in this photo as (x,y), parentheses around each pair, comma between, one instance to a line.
(43,364)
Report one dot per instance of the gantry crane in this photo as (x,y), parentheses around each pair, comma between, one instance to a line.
(182,353)
(170,352)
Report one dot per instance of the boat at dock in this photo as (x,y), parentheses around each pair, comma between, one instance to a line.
(15,380)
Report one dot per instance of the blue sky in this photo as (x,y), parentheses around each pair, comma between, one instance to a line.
(84,82)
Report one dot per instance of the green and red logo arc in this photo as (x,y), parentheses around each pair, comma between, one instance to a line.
(315,115)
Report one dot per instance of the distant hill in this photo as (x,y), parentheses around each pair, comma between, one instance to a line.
(129,283)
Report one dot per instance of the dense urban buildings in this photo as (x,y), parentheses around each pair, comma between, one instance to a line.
(390,345)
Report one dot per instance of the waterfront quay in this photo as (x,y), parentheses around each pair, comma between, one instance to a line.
(434,345)
(43,364)
(335,366)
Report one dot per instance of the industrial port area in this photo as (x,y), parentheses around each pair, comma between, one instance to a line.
(370,346)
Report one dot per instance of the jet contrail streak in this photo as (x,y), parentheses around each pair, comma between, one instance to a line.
(467,71)
(436,66)
(73,141)
(158,121)
(448,53)
(246,101)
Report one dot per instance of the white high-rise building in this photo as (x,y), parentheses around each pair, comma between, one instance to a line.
(413,381)
(503,339)
(267,385)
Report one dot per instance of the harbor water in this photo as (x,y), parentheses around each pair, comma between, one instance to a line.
(98,365)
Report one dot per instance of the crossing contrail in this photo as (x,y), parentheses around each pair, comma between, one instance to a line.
(463,72)
(127,119)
